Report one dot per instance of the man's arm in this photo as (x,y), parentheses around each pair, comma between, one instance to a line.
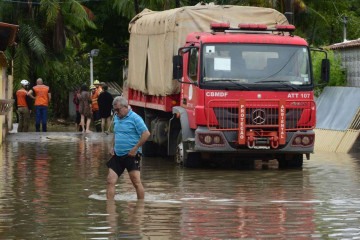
(30,94)
(144,136)
(112,146)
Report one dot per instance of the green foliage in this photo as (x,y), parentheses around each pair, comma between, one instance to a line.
(29,50)
(51,9)
(22,61)
(322,21)
(111,38)
(337,72)
(76,16)
(56,36)
(64,77)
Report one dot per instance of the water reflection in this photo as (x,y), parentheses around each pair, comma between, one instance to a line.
(56,190)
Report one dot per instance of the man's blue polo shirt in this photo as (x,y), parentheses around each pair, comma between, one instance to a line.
(128,131)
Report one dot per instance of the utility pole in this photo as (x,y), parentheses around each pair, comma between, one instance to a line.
(345,20)
(93,53)
(289,10)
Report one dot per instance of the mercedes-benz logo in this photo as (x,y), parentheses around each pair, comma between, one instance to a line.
(258,116)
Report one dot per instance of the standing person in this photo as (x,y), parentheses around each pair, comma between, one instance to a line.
(42,99)
(95,108)
(105,105)
(98,86)
(23,106)
(130,133)
(85,108)
(76,101)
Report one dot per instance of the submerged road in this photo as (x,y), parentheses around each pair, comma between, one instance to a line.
(52,186)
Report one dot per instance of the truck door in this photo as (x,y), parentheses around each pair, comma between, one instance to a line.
(189,96)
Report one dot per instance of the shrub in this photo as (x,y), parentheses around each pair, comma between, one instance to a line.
(337,71)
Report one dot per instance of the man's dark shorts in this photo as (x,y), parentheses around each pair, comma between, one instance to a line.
(119,164)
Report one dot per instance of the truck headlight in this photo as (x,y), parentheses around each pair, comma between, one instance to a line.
(211,139)
(303,140)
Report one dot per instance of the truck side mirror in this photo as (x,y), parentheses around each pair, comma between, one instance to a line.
(325,70)
(177,67)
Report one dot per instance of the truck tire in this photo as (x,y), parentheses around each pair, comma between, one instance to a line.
(149,149)
(292,161)
(184,158)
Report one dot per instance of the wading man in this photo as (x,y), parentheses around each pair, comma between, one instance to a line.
(130,133)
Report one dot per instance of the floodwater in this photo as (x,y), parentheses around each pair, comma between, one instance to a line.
(53,187)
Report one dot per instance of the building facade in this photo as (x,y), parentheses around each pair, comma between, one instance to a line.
(7,38)
(350,58)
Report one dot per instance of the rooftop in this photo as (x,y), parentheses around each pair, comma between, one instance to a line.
(346,44)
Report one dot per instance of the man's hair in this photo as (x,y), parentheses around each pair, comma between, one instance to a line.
(84,87)
(121,100)
(39,81)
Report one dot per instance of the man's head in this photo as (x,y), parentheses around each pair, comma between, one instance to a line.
(92,88)
(97,83)
(120,106)
(39,81)
(25,83)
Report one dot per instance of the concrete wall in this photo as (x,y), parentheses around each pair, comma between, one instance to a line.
(350,58)
(6,89)
(2,96)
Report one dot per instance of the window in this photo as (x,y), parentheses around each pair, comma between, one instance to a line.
(256,63)
(193,64)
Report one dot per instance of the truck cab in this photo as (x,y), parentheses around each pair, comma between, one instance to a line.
(247,92)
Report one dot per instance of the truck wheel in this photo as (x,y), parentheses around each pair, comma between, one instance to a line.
(292,161)
(184,158)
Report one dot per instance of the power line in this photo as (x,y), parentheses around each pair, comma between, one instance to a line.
(38,3)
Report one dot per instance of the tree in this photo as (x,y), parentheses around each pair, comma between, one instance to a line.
(47,37)
(56,36)
(322,21)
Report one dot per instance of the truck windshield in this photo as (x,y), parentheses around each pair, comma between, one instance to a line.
(255,64)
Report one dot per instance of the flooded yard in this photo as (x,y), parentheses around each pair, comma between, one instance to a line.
(53,187)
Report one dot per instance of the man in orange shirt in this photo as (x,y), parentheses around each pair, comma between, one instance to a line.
(95,108)
(23,106)
(42,99)
(98,86)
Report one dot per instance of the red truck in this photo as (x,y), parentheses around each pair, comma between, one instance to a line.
(217,83)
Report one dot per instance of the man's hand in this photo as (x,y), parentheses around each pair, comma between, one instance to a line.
(112,152)
(144,136)
(133,151)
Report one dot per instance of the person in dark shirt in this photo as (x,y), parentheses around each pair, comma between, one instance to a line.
(76,102)
(105,100)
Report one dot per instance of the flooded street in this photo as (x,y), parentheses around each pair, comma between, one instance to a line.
(54,188)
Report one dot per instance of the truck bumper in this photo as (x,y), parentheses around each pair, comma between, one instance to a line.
(229,139)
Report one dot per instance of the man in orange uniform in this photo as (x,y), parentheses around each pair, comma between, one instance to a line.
(42,99)
(95,108)
(98,86)
(23,106)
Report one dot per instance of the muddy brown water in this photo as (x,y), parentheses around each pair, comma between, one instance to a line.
(52,186)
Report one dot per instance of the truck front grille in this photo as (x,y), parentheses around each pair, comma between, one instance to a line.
(226,115)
